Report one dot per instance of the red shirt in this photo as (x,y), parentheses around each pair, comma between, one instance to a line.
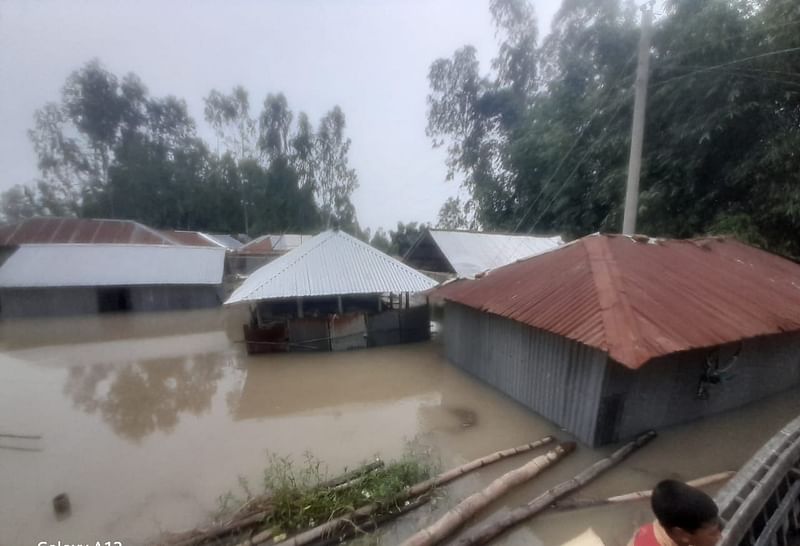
(651,534)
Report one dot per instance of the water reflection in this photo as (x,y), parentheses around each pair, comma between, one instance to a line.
(323,383)
(140,398)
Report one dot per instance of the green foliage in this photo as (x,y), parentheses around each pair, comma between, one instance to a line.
(455,215)
(298,501)
(404,237)
(380,240)
(108,149)
(722,129)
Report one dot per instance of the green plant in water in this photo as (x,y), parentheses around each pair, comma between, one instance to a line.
(298,501)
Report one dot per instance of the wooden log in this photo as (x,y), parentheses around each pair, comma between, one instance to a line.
(352,475)
(332,527)
(467,508)
(21,436)
(373,523)
(490,530)
(222,530)
(638,495)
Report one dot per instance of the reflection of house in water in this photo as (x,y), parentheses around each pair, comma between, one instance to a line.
(465,254)
(140,398)
(333,292)
(610,335)
(58,266)
(290,387)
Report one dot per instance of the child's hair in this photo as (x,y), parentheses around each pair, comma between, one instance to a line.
(676,504)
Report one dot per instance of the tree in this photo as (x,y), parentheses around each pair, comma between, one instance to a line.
(274,125)
(455,215)
(109,149)
(229,116)
(404,237)
(380,240)
(541,140)
(336,180)
(19,202)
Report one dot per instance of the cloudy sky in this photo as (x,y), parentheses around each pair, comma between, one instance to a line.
(370,57)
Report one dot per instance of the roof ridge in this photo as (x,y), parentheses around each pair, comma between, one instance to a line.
(289,264)
(397,264)
(620,325)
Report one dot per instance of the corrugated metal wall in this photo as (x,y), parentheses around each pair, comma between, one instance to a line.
(47,302)
(557,378)
(54,302)
(665,391)
(176,297)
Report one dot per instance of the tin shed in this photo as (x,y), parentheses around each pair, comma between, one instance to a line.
(611,335)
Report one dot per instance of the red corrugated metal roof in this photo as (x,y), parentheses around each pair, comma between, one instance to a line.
(79,230)
(638,299)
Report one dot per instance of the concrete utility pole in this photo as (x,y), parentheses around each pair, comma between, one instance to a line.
(637,132)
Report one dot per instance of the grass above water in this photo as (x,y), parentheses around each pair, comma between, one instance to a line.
(294,498)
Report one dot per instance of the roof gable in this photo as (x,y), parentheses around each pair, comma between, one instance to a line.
(470,253)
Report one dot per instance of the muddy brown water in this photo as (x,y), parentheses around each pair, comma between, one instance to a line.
(146,419)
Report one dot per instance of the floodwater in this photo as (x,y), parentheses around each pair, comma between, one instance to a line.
(146,419)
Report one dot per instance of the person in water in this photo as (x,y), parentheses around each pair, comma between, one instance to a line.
(685,516)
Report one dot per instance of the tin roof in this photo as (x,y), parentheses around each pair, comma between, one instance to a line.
(470,253)
(227,241)
(188,238)
(61,264)
(79,230)
(637,299)
(331,263)
(273,244)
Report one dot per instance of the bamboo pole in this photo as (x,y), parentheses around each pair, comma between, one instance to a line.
(488,531)
(638,495)
(372,524)
(333,526)
(466,509)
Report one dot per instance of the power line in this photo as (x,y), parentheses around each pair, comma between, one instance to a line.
(563,159)
(727,64)
(574,170)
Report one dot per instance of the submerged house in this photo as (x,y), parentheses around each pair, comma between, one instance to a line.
(608,336)
(261,250)
(68,266)
(333,292)
(465,254)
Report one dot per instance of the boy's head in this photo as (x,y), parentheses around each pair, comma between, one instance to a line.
(688,515)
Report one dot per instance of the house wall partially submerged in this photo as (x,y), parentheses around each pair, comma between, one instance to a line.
(694,384)
(66,301)
(557,378)
(361,322)
(599,400)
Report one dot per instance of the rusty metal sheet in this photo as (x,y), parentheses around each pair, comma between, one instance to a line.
(309,334)
(80,231)
(638,298)
(348,332)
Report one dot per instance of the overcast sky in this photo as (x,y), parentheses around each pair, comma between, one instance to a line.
(369,57)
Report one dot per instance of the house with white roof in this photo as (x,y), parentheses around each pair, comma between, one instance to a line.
(70,266)
(465,254)
(332,292)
